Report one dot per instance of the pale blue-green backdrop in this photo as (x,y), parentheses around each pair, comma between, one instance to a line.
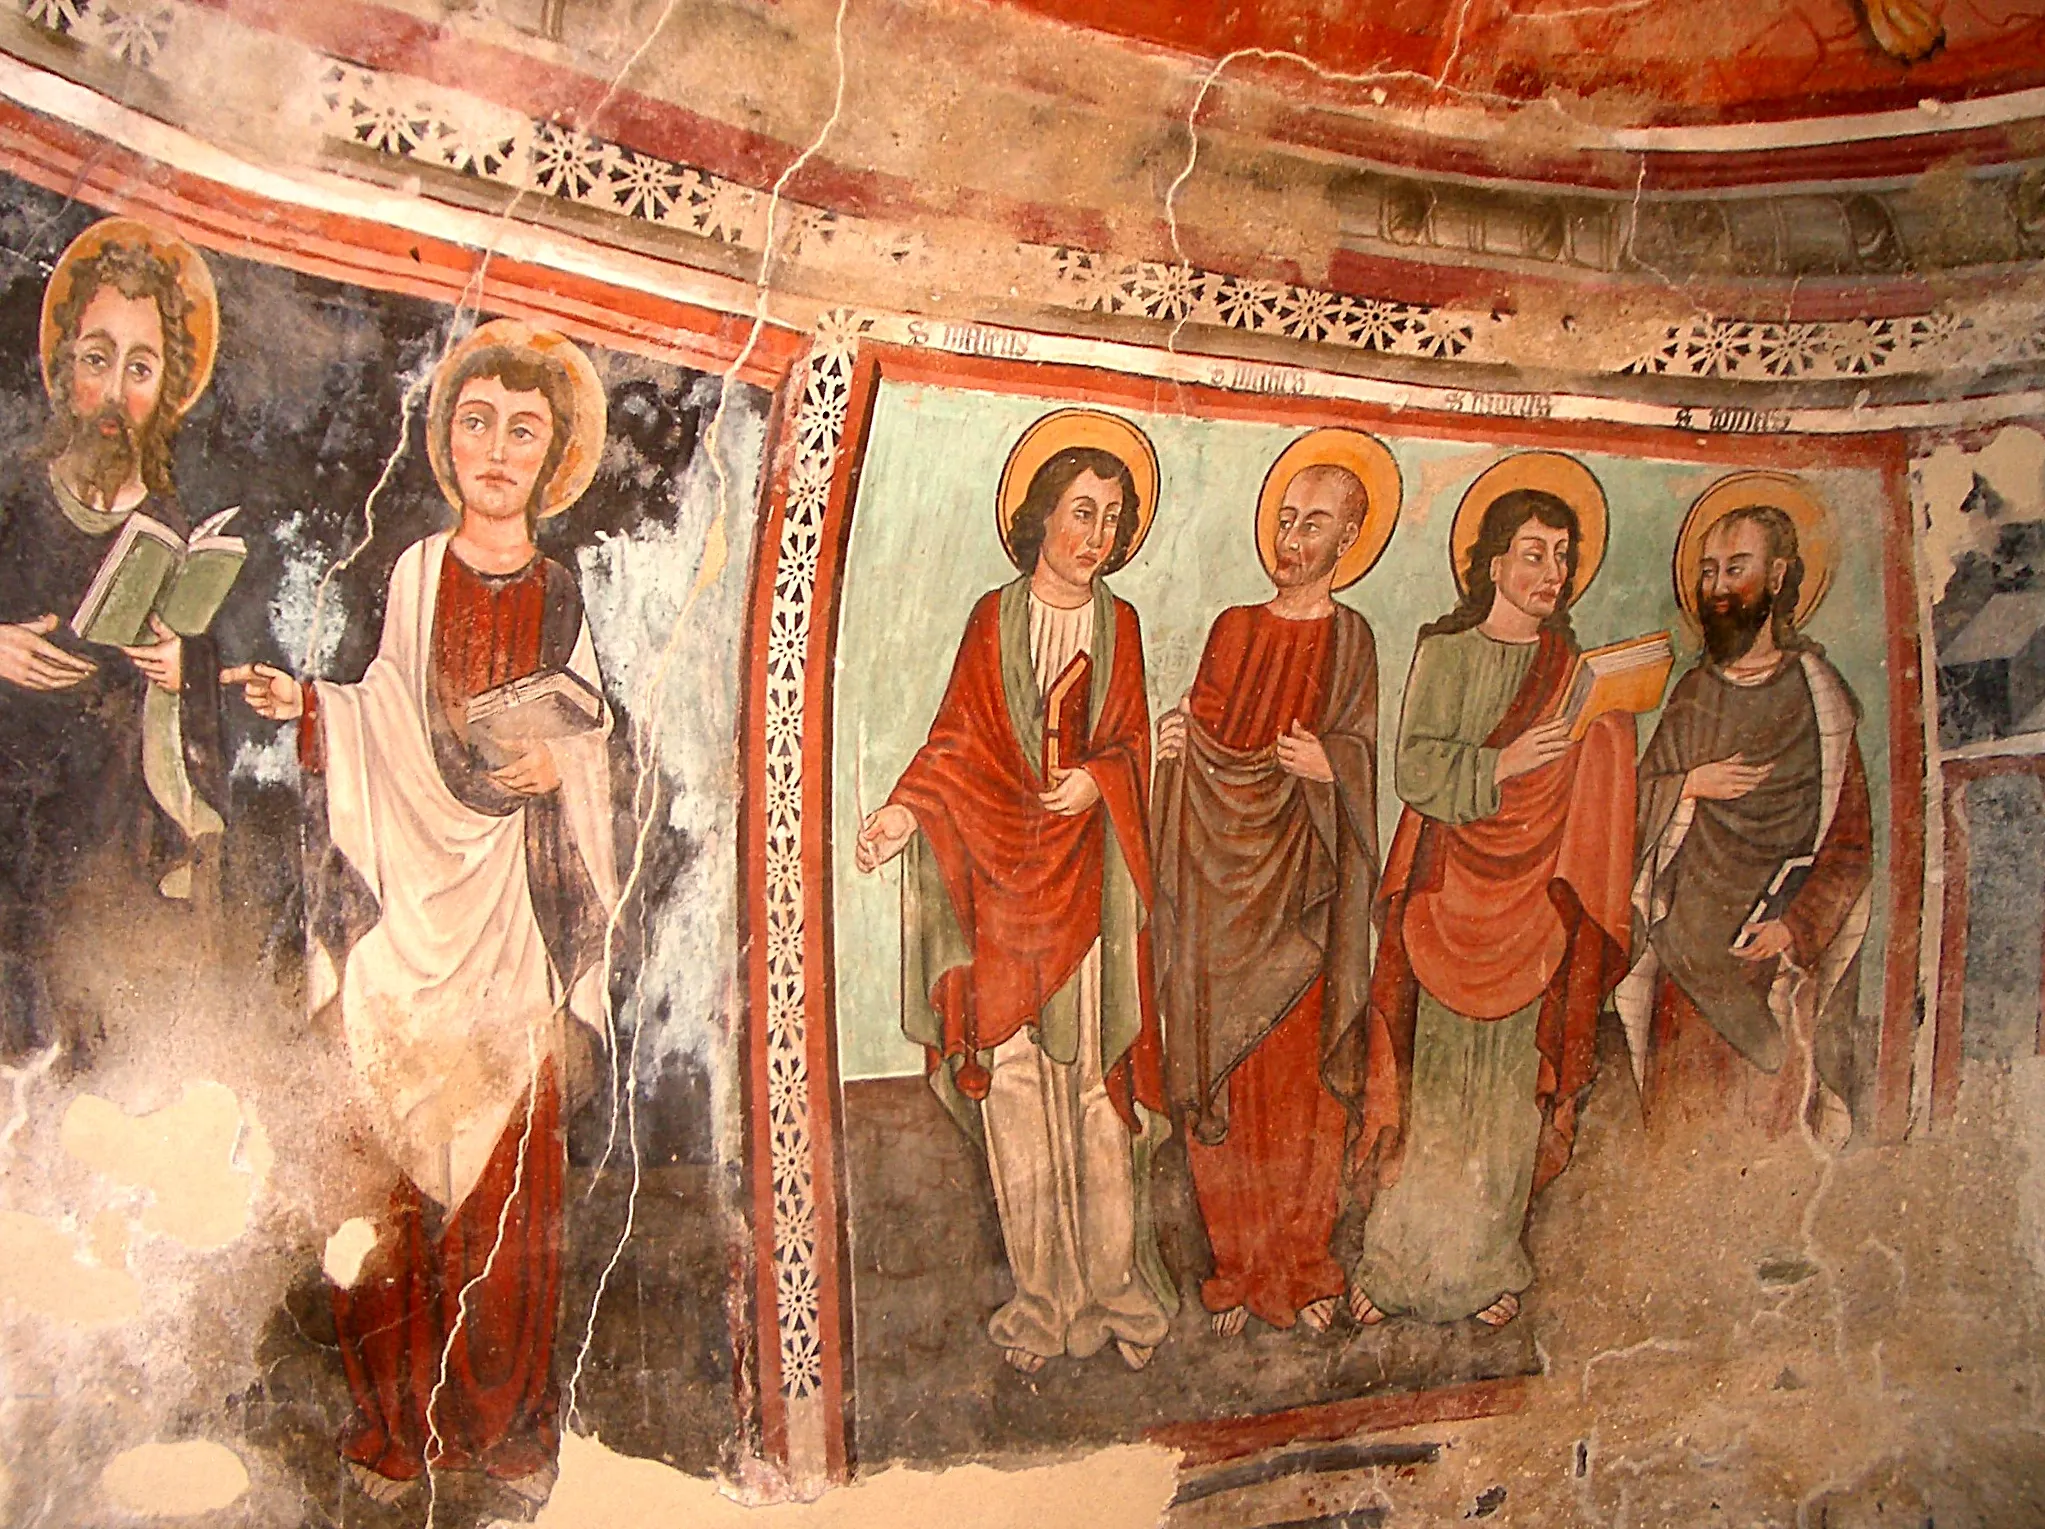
(923,549)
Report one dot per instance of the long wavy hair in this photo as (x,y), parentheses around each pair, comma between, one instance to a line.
(1778,536)
(1048,486)
(1503,518)
(133,271)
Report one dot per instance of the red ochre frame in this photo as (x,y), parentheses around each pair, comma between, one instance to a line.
(1065,383)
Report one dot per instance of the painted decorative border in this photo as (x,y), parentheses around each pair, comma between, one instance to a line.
(790,828)
(398,117)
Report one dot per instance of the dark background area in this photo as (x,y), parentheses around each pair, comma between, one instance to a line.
(306,411)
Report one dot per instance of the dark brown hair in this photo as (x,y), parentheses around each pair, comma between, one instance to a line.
(133,271)
(1048,486)
(1779,539)
(1503,518)
(521,371)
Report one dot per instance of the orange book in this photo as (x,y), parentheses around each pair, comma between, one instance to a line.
(1624,676)
(1065,709)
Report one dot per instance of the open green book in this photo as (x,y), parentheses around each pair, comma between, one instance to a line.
(151,570)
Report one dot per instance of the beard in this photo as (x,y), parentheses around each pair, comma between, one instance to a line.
(1730,629)
(101,452)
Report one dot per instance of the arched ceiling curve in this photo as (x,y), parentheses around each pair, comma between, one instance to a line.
(992,162)
(1635,63)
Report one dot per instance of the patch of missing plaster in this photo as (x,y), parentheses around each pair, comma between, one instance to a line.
(201,1160)
(41,1271)
(2012,465)
(175,1480)
(1129,1485)
(352,1242)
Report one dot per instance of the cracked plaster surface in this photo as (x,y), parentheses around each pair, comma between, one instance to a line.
(1680,1381)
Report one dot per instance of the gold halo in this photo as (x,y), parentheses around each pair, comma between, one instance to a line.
(1366,456)
(1551,472)
(202,302)
(585,446)
(1065,428)
(1784,491)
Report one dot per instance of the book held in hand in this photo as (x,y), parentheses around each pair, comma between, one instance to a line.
(152,571)
(1624,676)
(1774,902)
(503,723)
(1065,709)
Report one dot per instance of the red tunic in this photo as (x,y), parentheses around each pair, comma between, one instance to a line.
(1270,1191)
(1025,883)
(447,1337)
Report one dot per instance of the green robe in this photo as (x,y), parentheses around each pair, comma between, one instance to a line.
(1443,1241)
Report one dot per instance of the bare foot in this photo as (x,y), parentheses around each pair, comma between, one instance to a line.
(535,1486)
(1230,1323)
(1022,1361)
(1363,1308)
(1319,1315)
(1135,1355)
(379,1489)
(1500,1311)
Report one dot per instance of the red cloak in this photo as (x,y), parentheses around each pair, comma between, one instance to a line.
(1531,902)
(1026,884)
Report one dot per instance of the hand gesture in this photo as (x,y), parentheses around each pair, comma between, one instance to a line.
(1764,941)
(1300,753)
(271,692)
(162,662)
(882,836)
(1725,780)
(1072,792)
(1171,735)
(1537,746)
(29,661)
(533,773)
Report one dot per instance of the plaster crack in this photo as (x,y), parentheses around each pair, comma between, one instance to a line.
(646,788)
(1655,1345)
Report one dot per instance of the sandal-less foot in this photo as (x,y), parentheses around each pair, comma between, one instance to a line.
(1318,1316)
(378,1488)
(1230,1323)
(1135,1355)
(1500,1311)
(1022,1361)
(1363,1308)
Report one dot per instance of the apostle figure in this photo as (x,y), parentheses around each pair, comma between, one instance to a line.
(110,760)
(1504,908)
(1025,895)
(1752,896)
(457,915)
(1267,862)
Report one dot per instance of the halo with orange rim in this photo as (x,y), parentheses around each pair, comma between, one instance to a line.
(1061,430)
(1364,455)
(202,301)
(1551,472)
(1816,542)
(578,464)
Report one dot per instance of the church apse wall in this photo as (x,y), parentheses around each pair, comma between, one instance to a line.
(1120,909)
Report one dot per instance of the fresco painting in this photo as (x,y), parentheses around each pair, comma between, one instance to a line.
(1260,960)
(336,721)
